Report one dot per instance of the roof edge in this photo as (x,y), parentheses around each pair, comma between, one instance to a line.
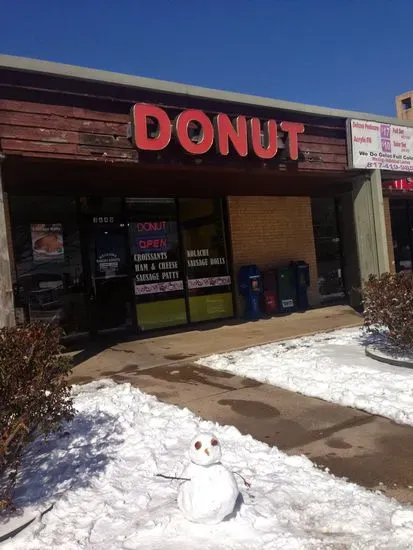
(106,77)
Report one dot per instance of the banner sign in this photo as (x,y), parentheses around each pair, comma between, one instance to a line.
(384,146)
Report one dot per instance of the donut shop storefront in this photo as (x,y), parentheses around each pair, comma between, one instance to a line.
(137,212)
(130,262)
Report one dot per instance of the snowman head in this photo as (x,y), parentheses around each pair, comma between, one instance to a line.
(205,449)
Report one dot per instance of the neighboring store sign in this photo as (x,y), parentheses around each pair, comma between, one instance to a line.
(384,146)
(399,185)
(197,133)
(47,242)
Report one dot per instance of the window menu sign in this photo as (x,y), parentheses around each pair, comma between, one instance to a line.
(155,249)
(206,269)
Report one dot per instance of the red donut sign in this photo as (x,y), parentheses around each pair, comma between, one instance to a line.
(245,135)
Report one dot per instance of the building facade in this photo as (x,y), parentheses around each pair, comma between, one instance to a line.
(129,203)
(399,204)
(404,106)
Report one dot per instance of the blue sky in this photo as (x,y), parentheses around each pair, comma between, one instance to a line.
(353,54)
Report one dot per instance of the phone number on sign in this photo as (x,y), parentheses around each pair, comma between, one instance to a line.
(390,166)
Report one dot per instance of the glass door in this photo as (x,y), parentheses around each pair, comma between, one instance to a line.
(401,212)
(111,289)
(206,262)
(328,248)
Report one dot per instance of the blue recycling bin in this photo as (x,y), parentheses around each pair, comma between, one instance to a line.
(250,287)
(302,282)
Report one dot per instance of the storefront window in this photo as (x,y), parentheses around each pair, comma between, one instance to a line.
(50,281)
(328,248)
(157,266)
(206,261)
(402,227)
(97,264)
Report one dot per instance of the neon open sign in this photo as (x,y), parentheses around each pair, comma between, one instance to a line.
(245,135)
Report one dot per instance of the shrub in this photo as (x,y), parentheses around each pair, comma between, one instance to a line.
(388,304)
(34,394)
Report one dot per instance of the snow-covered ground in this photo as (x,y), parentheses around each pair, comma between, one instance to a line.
(332,366)
(100,474)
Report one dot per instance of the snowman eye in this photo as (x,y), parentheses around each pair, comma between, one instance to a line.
(198,445)
(214,442)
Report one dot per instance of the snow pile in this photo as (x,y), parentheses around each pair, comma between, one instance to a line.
(331,366)
(101,477)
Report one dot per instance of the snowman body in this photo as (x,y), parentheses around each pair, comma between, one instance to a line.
(210,493)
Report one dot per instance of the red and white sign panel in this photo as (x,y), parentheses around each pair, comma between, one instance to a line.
(384,146)
(399,185)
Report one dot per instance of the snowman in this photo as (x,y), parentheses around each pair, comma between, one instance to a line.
(210,492)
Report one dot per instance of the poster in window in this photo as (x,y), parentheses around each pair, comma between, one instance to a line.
(156,258)
(110,255)
(47,242)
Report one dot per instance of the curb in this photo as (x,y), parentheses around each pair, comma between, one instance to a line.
(379,356)
(15,530)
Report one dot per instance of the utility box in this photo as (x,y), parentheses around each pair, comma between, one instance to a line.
(269,295)
(286,290)
(250,287)
(301,271)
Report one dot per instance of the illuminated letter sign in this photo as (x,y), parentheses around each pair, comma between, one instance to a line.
(152,130)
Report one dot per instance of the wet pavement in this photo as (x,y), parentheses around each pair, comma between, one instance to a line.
(369,450)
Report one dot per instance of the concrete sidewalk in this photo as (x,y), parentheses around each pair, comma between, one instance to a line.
(369,450)
(97,359)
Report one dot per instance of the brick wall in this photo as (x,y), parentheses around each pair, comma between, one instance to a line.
(387,218)
(271,231)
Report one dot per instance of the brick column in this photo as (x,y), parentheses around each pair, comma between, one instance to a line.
(6,291)
(270,232)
